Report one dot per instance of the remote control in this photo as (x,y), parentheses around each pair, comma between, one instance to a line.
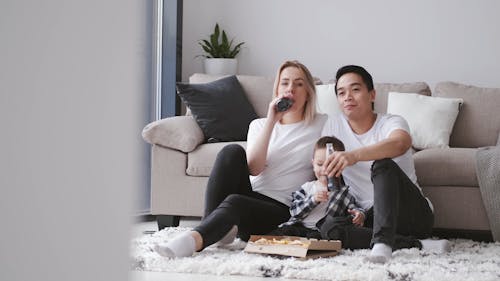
(284,104)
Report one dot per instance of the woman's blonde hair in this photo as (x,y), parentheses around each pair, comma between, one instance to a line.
(310,106)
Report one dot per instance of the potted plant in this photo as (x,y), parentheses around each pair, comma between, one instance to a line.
(220,57)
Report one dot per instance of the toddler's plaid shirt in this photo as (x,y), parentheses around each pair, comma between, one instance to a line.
(303,203)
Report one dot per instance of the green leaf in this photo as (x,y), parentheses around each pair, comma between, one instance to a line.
(205,44)
(216,31)
(206,49)
(225,43)
(236,50)
(214,41)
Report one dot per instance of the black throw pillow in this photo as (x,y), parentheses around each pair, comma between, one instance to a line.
(220,108)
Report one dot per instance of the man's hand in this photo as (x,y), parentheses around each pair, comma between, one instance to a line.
(337,161)
(359,217)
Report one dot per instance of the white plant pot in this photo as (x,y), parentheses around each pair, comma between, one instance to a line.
(221,66)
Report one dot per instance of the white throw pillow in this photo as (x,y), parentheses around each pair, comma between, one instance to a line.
(327,100)
(431,119)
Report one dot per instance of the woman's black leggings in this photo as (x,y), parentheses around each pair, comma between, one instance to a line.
(230,200)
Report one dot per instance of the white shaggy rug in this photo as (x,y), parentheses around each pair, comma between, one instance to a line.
(468,260)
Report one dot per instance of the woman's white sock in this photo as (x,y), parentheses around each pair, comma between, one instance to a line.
(229,237)
(436,246)
(182,245)
(380,253)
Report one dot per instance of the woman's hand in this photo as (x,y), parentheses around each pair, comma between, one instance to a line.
(273,114)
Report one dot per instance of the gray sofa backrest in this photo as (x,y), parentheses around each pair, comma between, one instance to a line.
(383,89)
(478,122)
(259,90)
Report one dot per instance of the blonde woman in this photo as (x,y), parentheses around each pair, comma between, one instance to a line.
(248,192)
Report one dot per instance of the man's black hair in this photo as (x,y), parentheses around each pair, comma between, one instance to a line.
(367,78)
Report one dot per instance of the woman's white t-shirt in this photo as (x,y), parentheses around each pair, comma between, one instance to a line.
(357,176)
(289,156)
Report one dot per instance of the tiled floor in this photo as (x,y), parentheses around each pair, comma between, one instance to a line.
(147,226)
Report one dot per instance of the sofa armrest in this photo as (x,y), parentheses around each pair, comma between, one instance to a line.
(178,132)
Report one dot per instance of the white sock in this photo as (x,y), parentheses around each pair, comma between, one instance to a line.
(436,246)
(229,237)
(381,253)
(182,245)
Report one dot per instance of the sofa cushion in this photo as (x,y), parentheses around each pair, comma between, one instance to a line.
(258,89)
(478,123)
(446,167)
(383,89)
(430,119)
(220,108)
(178,132)
(202,159)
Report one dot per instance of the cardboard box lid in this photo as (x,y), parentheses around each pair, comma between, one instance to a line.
(309,248)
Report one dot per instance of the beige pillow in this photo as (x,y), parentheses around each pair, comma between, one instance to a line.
(431,119)
(179,132)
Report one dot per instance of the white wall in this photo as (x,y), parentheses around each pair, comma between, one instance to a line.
(397,41)
(74,93)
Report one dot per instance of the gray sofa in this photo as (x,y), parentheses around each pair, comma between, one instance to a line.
(181,162)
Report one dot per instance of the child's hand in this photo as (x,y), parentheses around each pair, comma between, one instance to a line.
(321,196)
(359,217)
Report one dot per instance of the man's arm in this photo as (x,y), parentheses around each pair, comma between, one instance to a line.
(396,144)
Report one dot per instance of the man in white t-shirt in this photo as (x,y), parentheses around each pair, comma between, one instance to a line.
(378,166)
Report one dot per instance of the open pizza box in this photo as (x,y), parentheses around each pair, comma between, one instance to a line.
(293,246)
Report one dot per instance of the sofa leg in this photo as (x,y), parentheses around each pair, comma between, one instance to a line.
(167,221)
